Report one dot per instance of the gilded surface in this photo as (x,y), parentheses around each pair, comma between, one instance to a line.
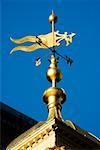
(42,41)
(43,136)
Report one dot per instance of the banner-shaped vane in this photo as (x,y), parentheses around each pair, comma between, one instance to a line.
(42,41)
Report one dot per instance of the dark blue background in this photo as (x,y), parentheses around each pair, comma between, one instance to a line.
(23,84)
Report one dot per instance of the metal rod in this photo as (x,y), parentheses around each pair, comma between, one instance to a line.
(53,28)
(54,83)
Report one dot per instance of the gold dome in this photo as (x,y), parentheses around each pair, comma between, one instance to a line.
(58,93)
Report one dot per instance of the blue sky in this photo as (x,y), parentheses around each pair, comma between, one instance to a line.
(23,84)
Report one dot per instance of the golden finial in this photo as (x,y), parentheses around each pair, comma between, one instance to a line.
(52,18)
(54,74)
(54,96)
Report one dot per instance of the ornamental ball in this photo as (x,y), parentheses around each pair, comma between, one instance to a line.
(52,17)
(54,74)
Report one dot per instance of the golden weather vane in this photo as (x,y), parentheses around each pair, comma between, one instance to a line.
(43,41)
(46,41)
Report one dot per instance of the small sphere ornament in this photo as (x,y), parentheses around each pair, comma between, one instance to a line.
(54,74)
(52,18)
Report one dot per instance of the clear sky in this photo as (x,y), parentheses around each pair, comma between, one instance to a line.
(23,84)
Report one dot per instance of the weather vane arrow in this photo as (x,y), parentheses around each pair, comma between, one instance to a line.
(47,41)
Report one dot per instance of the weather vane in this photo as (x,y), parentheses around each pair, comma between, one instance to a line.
(47,41)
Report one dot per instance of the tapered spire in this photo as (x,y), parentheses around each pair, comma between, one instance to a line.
(54,97)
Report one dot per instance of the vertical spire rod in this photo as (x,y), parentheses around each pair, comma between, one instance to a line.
(53,49)
(52,20)
(53,28)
